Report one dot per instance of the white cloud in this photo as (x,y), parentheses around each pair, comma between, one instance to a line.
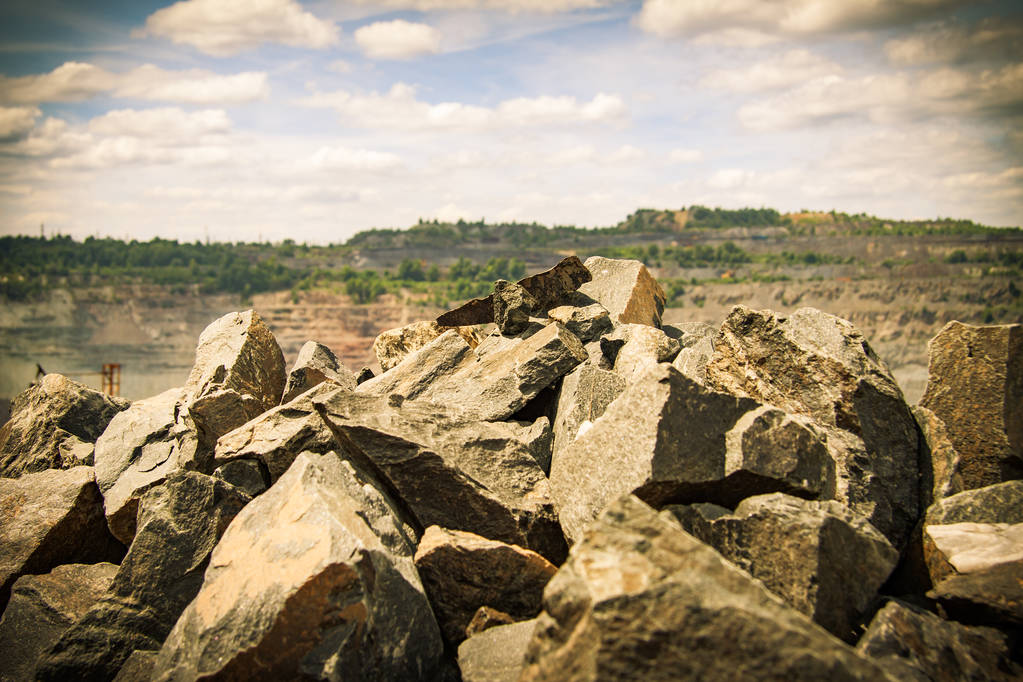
(685,156)
(170,124)
(626,154)
(222,28)
(397,39)
(730,178)
(512,6)
(950,42)
(339,66)
(789,68)
(343,158)
(17,122)
(69,82)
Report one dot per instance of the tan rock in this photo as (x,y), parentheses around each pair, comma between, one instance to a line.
(315,364)
(393,345)
(626,289)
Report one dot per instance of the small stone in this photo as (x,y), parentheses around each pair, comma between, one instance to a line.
(644,346)
(512,307)
(486,618)
(364,375)
(588,322)
(315,364)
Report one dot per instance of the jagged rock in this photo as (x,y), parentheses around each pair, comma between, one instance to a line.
(970,547)
(821,558)
(180,522)
(697,341)
(486,618)
(587,321)
(1000,503)
(315,364)
(463,572)
(238,374)
(669,440)
(313,579)
(937,450)
(538,437)
(818,365)
(75,452)
(42,607)
(626,289)
(585,393)
(50,422)
(639,598)
(137,668)
(139,449)
(496,655)
(512,307)
(643,346)
(364,375)
(915,644)
(246,474)
(418,370)
(274,439)
(393,345)
(51,518)
(975,386)
(991,596)
(479,477)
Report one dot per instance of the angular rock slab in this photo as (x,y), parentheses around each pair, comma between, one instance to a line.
(49,422)
(639,598)
(970,547)
(697,341)
(584,394)
(315,364)
(643,346)
(394,345)
(513,306)
(51,518)
(479,477)
(818,365)
(936,449)
(975,386)
(991,596)
(419,369)
(463,572)
(916,644)
(999,503)
(587,321)
(497,654)
(626,289)
(669,440)
(313,579)
(179,524)
(820,557)
(42,607)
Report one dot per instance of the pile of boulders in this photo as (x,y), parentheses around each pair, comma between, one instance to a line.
(544,484)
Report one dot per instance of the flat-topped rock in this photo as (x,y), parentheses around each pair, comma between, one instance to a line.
(626,289)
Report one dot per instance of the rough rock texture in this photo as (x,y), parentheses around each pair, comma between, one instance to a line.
(480,477)
(643,346)
(585,393)
(818,365)
(496,655)
(697,341)
(992,596)
(137,668)
(463,572)
(419,369)
(936,449)
(970,547)
(314,579)
(1000,503)
(315,364)
(512,307)
(670,440)
(238,374)
(587,321)
(626,289)
(180,522)
(393,345)
(916,644)
(42,607)
(50,422)
(820,557)
(246,474)
(486,618)
(975,385)
(639,598)
(51,518)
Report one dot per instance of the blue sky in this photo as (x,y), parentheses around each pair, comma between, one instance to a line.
(273,119)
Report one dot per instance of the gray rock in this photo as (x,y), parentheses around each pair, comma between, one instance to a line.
(138,667)
(393,345)
(643,346)
(315,364)
(313,579)
(626,289)
(821,558)
(512,307)
(585,393)
(820,366)
(670,440)
(496,655)
(992,596)
(588,322)
(916,644)
(697,341)
(247,474)
(419,369)
(51,518)
(941,479)
(999,503)
(50,422)
(42,607)
(975,386)
(479,477)
(463,572)
(76,452)
(639,598)
(180,522)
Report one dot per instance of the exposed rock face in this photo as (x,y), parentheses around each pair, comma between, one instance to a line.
(1000,503)
(417,371)
(315,364)
(179,524)
(585,393)
(51,422)
(496,655)
(697,341)
(393,345)
(639,598)
(479,477)
(314,579)
(512,307)
(975,386)
(643,346)
(916,644)
(668,439)
(486,618)
(818,365)
(990,596)
(937,449)
(463,572)
(51,518)
(626,289)
(587,321)
(820,557)
(970,547)
(42,607)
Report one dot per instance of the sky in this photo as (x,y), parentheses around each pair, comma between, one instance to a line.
(245,120)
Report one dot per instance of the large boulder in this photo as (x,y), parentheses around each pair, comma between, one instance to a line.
(418,369)
(626,289)
(53,425)
(313,579)
(669,440)
(999,503)
(697,342)
(820,366)
(584,394)
(638,347)
(586,320)
(180,522)
(394,345)
(315,364)
(975,386)
(941,478)
(992,595)
(496,655)
(42,607)
(639,598)
(463,572)
(480,477)
(820,557)
(50,518)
